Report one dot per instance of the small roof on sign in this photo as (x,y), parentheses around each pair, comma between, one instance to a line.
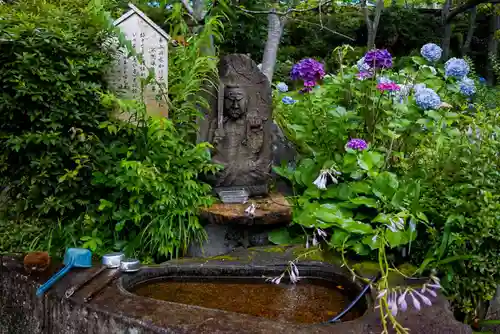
(134,10)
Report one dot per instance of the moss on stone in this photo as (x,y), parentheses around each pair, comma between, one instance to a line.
(224,258)
(274,249)
(366,268)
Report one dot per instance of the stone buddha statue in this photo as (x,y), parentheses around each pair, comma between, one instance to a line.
(241,129)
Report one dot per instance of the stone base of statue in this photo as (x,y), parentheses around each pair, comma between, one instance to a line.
(228,226)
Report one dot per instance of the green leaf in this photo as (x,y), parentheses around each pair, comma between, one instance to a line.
(366,201)
(280,236)
(361,249)
(395,238)
(103,204)
(352,226)
(422,216)
(398,198)
(381,218)
(418,60)
(338,238)
(370,242)
(332,214)
(119,226)
(385,185)
(360,187)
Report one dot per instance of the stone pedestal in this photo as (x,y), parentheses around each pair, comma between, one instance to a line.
(229,227)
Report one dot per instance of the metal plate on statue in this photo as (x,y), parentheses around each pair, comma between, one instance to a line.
(233,196)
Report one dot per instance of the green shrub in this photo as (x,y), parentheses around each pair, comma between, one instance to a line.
(76,176)
(50,111)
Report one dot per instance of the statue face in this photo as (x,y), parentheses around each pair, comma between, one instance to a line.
(235,102)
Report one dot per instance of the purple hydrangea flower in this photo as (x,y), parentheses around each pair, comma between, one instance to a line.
(378,58)
(357,144)
(309,71)
(364,75)
(427,99)
(431,52)
(457,68)
(467,86)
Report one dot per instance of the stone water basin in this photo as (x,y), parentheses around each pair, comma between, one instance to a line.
(126,306)
(310,301)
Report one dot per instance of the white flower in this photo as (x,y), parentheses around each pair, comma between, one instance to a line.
(322,178)
(276,280)
(392,302)
(416,303)
(426,300)
(320,181)
(294,273)
(402,301)
(381,293)
(321,233)
(250,211)
(315,241)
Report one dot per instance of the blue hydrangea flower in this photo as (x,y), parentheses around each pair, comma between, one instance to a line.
(431,52)
(482,80)
(384,80)
(467,86)
(362,66)
(457,68)
(282,87)
(288,100)
(427,99)
(418,87)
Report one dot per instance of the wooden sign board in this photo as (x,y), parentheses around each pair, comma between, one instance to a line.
(152,42)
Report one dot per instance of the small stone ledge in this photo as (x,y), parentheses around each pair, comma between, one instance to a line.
(270,210)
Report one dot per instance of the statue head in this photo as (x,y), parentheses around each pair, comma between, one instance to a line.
(235,101)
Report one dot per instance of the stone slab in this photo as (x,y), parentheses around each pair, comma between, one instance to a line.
(270,210)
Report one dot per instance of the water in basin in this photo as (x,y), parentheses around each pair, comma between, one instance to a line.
(309,301)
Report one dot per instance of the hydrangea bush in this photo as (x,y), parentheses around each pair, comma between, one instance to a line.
(359,185)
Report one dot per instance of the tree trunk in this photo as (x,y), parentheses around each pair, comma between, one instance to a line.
(470,32)
(372,26)
(445,45)
(275,26)
(493,45)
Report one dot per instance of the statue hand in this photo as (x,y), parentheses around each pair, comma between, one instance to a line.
(254,121)
(219,135)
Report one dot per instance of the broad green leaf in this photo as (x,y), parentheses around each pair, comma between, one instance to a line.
(368,160)
(418,60)
(371,241)
(280,236)
(361,249)
(395,238)
(352,226)
(360,187)
(385,184)
(398,198)
(338,238)
(366,201)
